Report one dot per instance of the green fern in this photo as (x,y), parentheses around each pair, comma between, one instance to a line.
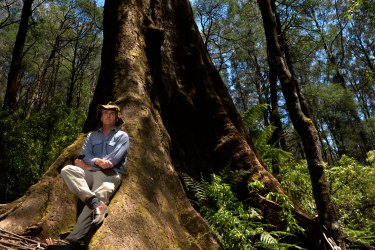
(286,212)
(252,116)
(233,177)
(267,238)
(261,136)
(236,224)
(195,188)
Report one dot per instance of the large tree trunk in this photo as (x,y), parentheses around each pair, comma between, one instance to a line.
(179,116)
(301,121)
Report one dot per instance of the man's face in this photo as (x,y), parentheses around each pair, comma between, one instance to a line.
(109,117)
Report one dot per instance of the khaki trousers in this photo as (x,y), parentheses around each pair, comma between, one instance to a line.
(86,184)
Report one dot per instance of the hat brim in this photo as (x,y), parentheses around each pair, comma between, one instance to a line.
(108,106)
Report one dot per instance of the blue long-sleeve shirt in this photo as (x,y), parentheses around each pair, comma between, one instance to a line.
(113,147)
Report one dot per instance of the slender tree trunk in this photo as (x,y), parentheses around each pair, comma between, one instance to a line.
(277,139)
(260,88)
(241,98)
(14,83)
(302,123)
(10,103)
(352,119)
(277,136)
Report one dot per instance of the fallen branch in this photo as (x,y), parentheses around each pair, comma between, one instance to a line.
(9,240)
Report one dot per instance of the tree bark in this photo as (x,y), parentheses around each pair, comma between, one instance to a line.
(180,118)
(301,121)
(14,83)
(277,138)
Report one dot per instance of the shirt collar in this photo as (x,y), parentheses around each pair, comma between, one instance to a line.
(115,129)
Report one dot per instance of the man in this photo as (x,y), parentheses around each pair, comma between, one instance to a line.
(97,174)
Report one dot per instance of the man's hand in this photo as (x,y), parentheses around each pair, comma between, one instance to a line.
(104,164)
(80,163)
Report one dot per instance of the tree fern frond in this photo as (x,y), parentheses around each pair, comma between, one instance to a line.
(267,238)
(231,176)
(266,135)
(196,188)
(253,114)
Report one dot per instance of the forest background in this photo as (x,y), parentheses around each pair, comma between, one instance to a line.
(331,44)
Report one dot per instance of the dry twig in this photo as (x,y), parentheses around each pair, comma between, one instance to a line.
(9,240)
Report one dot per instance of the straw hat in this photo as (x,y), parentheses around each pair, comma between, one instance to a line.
(110,105)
